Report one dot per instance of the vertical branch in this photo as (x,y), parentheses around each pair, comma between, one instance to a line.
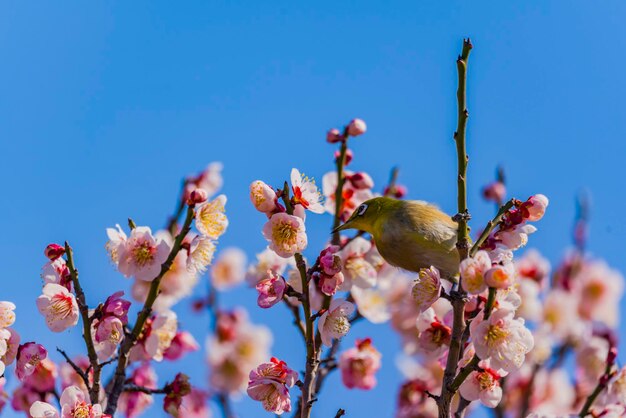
(341,179)
(312,361)
(463,240)
(117,385)
(94,388)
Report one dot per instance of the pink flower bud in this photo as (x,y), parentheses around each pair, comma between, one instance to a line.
(333,136)
(500,276)
(356,127)
(197,196)
(54,251)
(494,192)
(611,356)
(398,191)
(349,156)
(271,290)
(361,181)
(329,261)
(535,207)
(263,197)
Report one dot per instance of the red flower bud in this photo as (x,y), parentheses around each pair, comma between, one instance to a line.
(356,127)
(54,251)
(333,136)
(361,181)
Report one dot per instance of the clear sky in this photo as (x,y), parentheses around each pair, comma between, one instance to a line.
(105,106)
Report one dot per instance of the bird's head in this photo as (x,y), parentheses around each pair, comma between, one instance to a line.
(367,216)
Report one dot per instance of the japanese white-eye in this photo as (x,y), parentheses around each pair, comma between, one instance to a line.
(410,234)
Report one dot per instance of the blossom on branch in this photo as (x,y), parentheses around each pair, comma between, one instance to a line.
(58,306)
(269,383)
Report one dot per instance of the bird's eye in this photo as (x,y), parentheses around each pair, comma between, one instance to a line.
(361,210)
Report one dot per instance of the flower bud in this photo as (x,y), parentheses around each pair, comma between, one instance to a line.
(356,127)
(361,181)
(262,196)
(333,136)
(349,156)
(398,191)
(494,192)
(54,251)
(535,207)
(500,276)
(197,196)
(611,356)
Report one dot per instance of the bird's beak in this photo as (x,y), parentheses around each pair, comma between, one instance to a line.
(341,227)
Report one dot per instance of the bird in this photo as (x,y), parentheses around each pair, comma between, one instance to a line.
(409,234)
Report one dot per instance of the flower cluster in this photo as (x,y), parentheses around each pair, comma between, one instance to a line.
(269,383)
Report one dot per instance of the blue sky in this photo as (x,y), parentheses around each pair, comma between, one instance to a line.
(105,106)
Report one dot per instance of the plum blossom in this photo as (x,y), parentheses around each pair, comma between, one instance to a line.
(162,332)
(533,266)
(210,180)
(517,236)
(107,333)
(74,404)
(535,207)
(43,410)
(56,271)
(351,197)
(29,355)
(176,391)
(361,180)
(10,345)
(69,377)
(502,339)
(43,377)
(270,384)
(142,255)
(356,269)
(229,269)
(266,260)
(182,343)
(373,303)
(473,272)
(600,289)
(495,192)
(329,277)
(333,136)
(54,251)
(58,306)
(117,237)
(286,234)
(500,276)
(560,314)
(263,197)
(482,385)
(305,192)
(427,288)
(133,404)
(200,256)
(271,290)
(334,323)
(195,404)
(7,314)
(434,335)
(359,365)
(211,220)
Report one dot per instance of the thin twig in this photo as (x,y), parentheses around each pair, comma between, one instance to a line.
(490,226)
(135,388)
(83,375)
(94,388)
(297,319)
(340,413)
(144,314)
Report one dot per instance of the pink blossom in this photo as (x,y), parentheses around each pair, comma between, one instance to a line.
(351,197)
(117,238)
(182,343)
(333,136)
(266,260)
(210,180)
(329,278)
(195,404)
(373,303)
(74,404)
(413,402)
(28,357)
(69,377)
(560,314)
(500,276)
(43,410)
(515,237)
(23,397)
(533,266)
(211,220)
(503,339)
(56,271)
(116,306)
(271,290)
(357,270)
(229,269)
(535,207)
(286,234)
(176,390)
(482,385)
(263,197)
(54,251)
(58,306)
(427,288)
(7,314)
(398,191)
(359,365)
(43,377)
(270,384)
(334,323)
(141,255)
(11,342)
(133,404)
(108,334)
(162,332)
(434,336)
(356,127)
(473,272)
(201,251)
(600,290)
(305,192)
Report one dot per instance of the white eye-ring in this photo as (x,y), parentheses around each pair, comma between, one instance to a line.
(361,210)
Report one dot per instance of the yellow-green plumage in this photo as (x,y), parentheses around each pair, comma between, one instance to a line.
(409,234)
